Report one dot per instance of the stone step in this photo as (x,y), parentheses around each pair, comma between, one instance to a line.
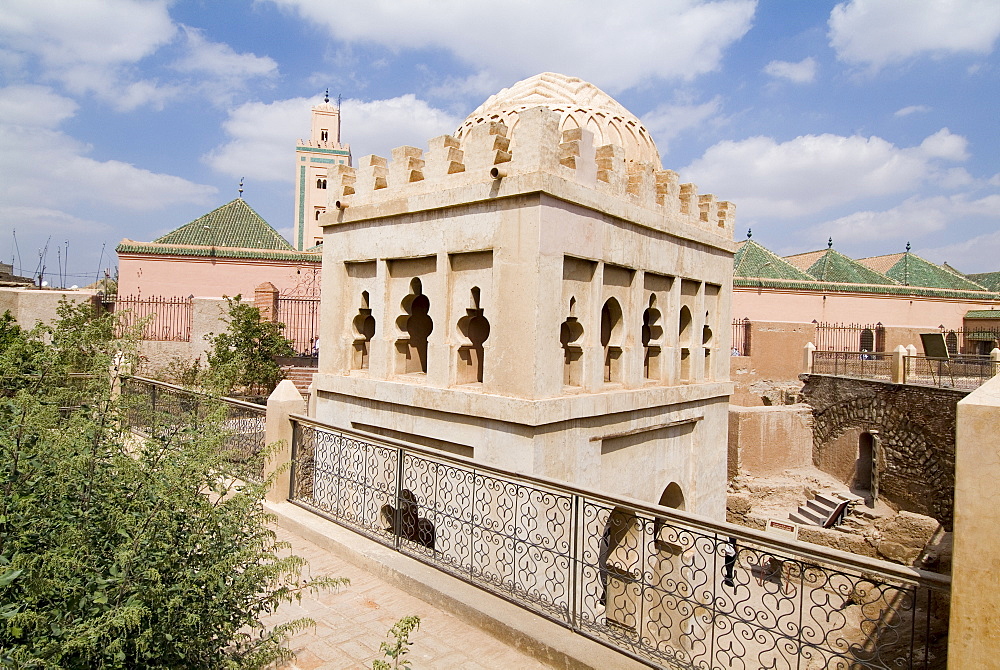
(801,520)
(810,516)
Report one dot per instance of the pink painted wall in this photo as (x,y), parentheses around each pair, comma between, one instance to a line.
(766,304)
(210,277)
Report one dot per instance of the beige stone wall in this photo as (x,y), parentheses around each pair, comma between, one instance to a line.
(207,316)
(768,440)
(972,640)
(31,306)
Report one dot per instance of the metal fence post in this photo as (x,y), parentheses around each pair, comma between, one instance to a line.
(397,524)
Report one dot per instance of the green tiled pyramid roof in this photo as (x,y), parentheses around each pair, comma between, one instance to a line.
(833,266)
(911,270)
(234,225)
(754,261)
(989,280)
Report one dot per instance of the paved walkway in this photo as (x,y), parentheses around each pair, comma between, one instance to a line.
(351,624)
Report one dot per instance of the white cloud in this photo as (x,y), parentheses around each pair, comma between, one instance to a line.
(262,136)
(46,167)
(945,144)
(32,105)
(912,109)
(912,219)
(803,72)
(220,60)
(87,44)
(877,33)
(668,121)
(670,39)
(814,172)
(976,254)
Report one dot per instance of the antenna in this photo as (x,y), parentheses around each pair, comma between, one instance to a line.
(42,254)
(20,265)
(59,265)
(97,276)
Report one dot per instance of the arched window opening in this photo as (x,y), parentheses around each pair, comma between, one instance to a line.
(611,318)
(324,135)
(321,183)
(318,212)
(364,331)
(416,325)
(474,329)
(867,340)
(652,340)
(951,341)
(684,342)
(570,339)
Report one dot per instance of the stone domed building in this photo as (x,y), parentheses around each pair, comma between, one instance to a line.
(536,293)
(580,105)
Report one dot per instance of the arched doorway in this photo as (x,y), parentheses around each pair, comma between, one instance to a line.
(864,468)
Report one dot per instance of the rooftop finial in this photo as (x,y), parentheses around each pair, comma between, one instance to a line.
(829,243)
(907,247)
(749,233)
(326,98)
(241,188)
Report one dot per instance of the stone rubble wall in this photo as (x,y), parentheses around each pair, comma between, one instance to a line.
(915,459)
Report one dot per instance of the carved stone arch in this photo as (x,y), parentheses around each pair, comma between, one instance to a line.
(684,328)
(652,339)
(415,326)
(473,330)
(571,341)
(364,330)
(611,339)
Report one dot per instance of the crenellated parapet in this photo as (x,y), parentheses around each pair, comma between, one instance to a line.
(498,162)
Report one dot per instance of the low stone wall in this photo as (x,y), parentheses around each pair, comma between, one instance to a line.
(915,427)
(30,306)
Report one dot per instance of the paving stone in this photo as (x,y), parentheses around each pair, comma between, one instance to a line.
(352,622)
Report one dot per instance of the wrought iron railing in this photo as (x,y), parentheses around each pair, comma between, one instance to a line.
(667,588)
(153,406)
(849,336)
(741,337)
(167,319)
(301,318)
(960,372)
(863,364)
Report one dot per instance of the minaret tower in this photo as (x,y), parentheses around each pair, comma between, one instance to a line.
(313,157)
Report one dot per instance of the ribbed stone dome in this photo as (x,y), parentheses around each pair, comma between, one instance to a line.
(581,104)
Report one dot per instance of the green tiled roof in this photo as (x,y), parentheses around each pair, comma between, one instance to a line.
(989,280)
(881,289)
(833,266)
(912,270)
(133,247)
(234,225)
(983,314)
(753,260)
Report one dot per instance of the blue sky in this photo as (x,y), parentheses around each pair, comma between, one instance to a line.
(871,121)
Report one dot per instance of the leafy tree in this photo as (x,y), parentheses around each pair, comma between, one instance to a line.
(242,358)
(118,551)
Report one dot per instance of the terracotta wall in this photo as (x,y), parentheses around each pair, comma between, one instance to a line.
(768,440)
(210,277)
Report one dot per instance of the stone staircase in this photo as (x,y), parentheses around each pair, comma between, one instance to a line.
(300,376)
(817,512)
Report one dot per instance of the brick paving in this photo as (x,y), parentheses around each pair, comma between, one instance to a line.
(351,624)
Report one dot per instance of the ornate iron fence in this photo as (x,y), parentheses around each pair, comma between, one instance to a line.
(849,336)
(741,337)
(971,341)
(669,589)
(169,318)
(153,406)
(961,372)
(301,318)
(864,364)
